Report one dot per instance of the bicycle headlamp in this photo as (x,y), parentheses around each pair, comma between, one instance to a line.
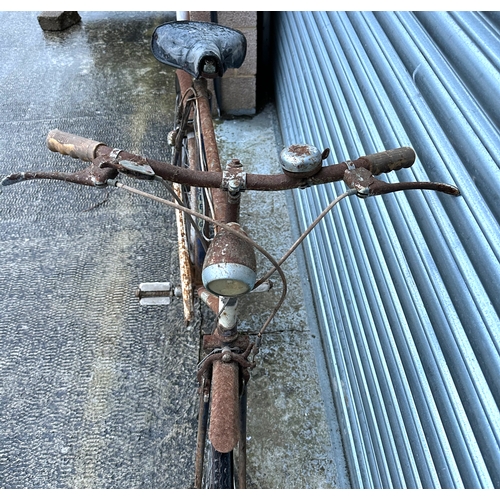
(229,269)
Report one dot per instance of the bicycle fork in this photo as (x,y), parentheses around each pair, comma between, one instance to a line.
(223,375)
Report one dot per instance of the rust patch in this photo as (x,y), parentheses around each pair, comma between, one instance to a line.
(226,247)
(300,149)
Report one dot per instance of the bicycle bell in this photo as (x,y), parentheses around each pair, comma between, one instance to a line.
(229,269)
(301,160)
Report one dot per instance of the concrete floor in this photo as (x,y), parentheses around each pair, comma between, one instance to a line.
(97,392)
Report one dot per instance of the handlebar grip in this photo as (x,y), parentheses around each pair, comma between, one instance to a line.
(72,145)
(393,159)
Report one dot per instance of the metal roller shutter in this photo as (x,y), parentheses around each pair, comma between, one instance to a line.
(406,287)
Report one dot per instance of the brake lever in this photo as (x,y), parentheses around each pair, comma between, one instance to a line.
(97,174)
(94,175)
(365,184)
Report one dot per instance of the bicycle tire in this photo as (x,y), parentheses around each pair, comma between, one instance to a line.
(214,469)
(195,197)
(220,470)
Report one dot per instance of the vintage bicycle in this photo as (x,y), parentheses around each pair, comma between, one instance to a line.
(216,256)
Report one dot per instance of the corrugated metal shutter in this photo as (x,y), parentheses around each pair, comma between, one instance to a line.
(407,287)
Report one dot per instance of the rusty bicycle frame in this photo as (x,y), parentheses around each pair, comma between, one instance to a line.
(228,356)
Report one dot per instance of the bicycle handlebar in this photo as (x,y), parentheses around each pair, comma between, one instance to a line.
(87,149)
(107,161)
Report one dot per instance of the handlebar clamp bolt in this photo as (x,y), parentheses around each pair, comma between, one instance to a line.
(234,185)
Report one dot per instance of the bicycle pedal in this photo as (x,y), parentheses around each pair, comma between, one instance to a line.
(157,293)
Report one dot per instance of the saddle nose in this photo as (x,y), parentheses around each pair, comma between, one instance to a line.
(200,49)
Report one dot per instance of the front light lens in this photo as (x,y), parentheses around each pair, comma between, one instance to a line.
(228,279)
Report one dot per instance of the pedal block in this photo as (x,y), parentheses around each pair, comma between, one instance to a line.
(157,293)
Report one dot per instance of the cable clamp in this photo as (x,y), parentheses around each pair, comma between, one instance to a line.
(234,179)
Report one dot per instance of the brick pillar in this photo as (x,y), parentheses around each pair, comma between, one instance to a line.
(238,87)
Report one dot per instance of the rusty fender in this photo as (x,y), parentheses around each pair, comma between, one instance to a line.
(224,412)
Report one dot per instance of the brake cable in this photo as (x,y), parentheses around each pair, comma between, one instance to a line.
(303,236)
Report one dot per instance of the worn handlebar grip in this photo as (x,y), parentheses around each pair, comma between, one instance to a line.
(393,159)
(72,145)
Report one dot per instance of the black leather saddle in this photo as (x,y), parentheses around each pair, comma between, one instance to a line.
(200,49)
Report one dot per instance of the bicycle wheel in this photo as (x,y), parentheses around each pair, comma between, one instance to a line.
(193,234)
(224,427)
(221,443)
(224,423)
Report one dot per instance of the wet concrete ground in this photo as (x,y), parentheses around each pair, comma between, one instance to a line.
(97,392)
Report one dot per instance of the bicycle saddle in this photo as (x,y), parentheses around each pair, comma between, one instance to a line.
(200,49)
